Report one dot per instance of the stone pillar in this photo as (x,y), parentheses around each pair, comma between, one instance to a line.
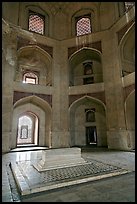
(60,135)
(117,134)
(8,69)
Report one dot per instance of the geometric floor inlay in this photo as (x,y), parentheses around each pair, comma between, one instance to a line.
(90,168)
(29,180)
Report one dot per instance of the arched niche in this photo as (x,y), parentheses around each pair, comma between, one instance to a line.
(127,51)
(78,123)
(77,62)
(34,59)
(130,118)
(92,12)
(42,110)
(34,7)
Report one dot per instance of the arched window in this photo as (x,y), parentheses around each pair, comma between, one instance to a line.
(30,78)
(36,22)
(88,68)
(83,25)
(90,115)
(88,73)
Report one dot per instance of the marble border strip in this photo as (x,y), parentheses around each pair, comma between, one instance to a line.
(20,180)
(26,190)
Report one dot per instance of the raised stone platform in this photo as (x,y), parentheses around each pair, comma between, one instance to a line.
(30,181)
(59,158)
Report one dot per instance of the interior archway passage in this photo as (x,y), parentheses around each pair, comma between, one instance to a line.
(27,132)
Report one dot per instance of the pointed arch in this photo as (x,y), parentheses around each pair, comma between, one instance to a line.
(127,51)
(128,39)
(77,62)
(35,100)
(34,59)
(79,125)
(42,110)
(96,53)
(33,48)
(90,98)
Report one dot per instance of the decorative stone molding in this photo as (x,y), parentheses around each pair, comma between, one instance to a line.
(99,95)
(18,95)
(95,45)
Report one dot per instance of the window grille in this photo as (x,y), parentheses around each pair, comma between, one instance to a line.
(30,78)
(36,23)
(83,26)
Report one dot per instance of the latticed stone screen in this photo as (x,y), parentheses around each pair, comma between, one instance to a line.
(36,24)
(83,26)
(30,78)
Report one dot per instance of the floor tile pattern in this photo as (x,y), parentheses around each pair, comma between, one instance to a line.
(119,188)
(91,168)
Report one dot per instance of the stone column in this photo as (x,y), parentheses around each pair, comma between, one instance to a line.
(8,69)
(117,134)
(60,135)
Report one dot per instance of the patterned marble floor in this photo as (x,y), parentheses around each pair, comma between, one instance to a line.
(29,180)
(110,188)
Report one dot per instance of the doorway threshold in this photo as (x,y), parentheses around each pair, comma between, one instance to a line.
(28,148)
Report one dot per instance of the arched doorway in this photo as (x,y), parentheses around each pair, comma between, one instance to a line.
(38,113)
(27,130)
(88,122)
(91,131)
